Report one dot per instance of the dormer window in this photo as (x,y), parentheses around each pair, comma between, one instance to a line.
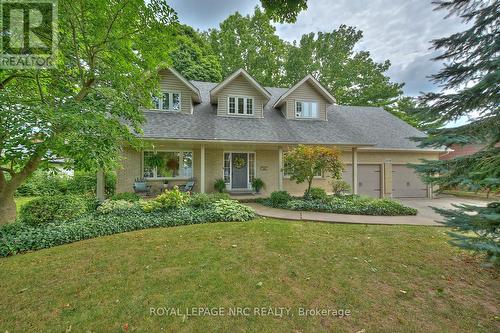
(169,101)
(306,109)
(240,105)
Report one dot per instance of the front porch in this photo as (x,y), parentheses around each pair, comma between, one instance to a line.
(205,162)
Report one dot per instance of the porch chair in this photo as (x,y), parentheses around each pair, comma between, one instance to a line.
(188,187)
(141,187)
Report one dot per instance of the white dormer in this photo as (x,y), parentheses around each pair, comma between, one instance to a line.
(306,100)
(239,95)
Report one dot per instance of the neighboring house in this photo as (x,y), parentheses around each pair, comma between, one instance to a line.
(459,150)
(238,130)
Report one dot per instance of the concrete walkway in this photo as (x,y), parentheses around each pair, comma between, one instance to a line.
(426,216)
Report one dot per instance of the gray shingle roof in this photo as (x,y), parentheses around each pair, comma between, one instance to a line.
(345,125)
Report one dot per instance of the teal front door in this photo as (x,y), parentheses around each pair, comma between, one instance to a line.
(239,172)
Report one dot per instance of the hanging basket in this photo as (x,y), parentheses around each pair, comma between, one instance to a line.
(239,162)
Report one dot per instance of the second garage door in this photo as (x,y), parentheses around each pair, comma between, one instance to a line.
(369,179)
(406,183)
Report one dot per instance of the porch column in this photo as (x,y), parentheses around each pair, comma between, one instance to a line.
(280,167)
(202,169)
(355,170)
(100,194)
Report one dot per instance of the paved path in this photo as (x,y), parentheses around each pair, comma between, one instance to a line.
(425,216)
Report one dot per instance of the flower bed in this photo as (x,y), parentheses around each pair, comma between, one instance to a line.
(121,216)
(349,204)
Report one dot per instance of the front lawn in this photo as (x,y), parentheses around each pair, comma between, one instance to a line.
(391,278)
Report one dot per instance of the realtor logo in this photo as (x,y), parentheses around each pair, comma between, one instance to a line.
(28,31)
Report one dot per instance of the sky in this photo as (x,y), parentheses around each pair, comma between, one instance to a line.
(397,30)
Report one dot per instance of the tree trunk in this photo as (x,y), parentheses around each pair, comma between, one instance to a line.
(8,188)
(7,208)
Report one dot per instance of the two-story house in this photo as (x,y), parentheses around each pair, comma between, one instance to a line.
(238,130)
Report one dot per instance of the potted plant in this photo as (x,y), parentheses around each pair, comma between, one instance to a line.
(173,166)
(220,185)
(257,184)
(154,161)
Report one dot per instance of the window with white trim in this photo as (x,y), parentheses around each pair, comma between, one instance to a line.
(169,101)
(240,105)
(306,109)
(168,164)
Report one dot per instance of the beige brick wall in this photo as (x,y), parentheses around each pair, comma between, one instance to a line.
(130,169)
(385,159)
(266,166)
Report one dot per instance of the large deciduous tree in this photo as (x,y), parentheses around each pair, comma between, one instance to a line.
(249,42)
(82,110)
(193,57)
(303,163)
(352,77)
(470,81)
(284,10)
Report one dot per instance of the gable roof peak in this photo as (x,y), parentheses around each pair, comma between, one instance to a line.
(195,90)
(309,77)
(233,76)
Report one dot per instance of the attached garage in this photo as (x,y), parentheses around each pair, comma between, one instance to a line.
(369,179)
(406,183)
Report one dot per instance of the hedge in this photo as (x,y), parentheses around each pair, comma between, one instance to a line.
(53,183)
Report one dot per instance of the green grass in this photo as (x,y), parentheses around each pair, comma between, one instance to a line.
(21,201)
(391,278)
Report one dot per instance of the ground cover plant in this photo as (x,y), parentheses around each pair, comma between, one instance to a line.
(50,221)
(316,200)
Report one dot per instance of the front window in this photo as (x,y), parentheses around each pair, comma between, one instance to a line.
(169,101)
(240,105)
(306,109)
(168,164)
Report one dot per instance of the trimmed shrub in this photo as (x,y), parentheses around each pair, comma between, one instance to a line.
(127,196)
(279,198)
(339,186)
(232,210)
(204,199)
(19,237)
(315,193)
(44,183)
(54,183)
(57,208)
(172,199)
(86,183)
(116,206)
(149,206)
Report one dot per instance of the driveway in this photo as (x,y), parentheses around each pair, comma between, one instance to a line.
(424,205)
(425,216)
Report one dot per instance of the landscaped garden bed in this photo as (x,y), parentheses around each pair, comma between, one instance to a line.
(50,221)
(318,201)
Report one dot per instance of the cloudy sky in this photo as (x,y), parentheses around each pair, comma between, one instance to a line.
(398,30)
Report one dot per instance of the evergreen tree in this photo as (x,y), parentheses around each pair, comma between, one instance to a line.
(470,87)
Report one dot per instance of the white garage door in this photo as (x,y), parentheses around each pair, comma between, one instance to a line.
(406,183)
(369,179)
